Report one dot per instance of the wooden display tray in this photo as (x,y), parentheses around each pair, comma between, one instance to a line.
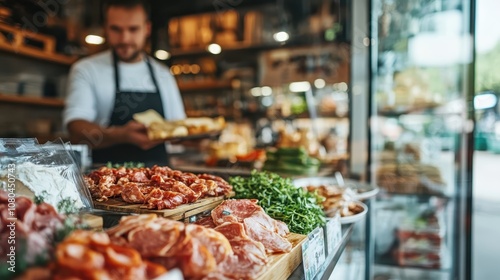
(181,212)
(281,266)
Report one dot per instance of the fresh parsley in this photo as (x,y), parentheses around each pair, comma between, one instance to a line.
(281,200)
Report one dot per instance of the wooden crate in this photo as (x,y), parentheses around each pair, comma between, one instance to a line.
(281,266)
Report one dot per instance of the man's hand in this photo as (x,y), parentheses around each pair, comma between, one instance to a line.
(136,133)
(84,132)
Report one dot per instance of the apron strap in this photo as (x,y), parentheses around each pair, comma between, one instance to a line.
(117,73)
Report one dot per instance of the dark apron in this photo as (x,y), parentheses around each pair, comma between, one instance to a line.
(127,103)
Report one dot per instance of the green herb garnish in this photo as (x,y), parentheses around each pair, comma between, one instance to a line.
(127,164)
(39,199)
(281,200)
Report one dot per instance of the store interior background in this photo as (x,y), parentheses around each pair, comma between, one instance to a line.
(244,83)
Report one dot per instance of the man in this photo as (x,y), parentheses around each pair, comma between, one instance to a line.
(106,89)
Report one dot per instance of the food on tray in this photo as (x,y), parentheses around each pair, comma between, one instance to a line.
(159,128)
(410,178)
(91,255)
(251,233)
(36,225)
(421,240)
(156,187)
(337,199)
(259,226)
(281,200)
(291,160)
(196,250)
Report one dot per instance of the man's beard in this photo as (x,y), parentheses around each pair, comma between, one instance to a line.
(131,57)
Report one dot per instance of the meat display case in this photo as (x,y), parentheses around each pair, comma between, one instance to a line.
(419,137)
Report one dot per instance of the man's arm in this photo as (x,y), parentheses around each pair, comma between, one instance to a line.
(98,137)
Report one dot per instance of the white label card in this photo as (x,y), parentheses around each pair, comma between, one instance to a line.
(333,233)
(313,253)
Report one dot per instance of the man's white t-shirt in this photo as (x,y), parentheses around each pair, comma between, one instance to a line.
(91,88)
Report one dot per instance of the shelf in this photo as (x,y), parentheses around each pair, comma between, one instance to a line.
(387,261)
(420,195)
(204,86)
(33,101)
(303,41)
(13,40)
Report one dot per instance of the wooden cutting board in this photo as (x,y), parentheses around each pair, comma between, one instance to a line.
(180,212)
(281,266)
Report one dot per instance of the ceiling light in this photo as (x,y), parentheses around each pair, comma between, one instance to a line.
(299,86)
(94,39)
(281,36)
(214,48)
(266,91)
(319,83)
(162,54)
(256,91)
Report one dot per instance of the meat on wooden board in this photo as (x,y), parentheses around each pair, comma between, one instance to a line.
(157,187)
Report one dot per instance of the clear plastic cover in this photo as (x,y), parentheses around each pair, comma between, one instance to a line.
(48,170)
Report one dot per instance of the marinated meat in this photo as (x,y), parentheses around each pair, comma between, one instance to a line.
(160,199)
(176,186)
(201,188)
(223,187)
(131,193)
(106,183)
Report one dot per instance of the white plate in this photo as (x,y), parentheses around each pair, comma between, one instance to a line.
(357,217)
(368,191)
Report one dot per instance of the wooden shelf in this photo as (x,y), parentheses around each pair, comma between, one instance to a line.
(204,86)
(34,101)
(13,40)
(306,40)
(38,54)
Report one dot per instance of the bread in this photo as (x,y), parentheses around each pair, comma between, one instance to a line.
(159,128)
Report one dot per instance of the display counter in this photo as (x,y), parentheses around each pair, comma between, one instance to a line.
(331,260)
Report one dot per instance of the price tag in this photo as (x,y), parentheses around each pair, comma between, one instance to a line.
(313,253)
(333,235)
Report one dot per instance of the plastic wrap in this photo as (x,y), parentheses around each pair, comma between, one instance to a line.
(49,171)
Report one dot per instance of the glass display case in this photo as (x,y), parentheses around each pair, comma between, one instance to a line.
(420,131)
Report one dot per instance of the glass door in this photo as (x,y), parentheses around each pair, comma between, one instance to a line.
(420,137)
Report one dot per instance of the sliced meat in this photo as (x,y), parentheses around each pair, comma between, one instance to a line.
(234,210)
(138,175)
(206,222)
(214,241)
(4,197)
(272,241)
(239,240)
(25,210)
(249,256)
(196,260)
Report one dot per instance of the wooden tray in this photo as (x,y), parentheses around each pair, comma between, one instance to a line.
(179,213)
(281,266)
